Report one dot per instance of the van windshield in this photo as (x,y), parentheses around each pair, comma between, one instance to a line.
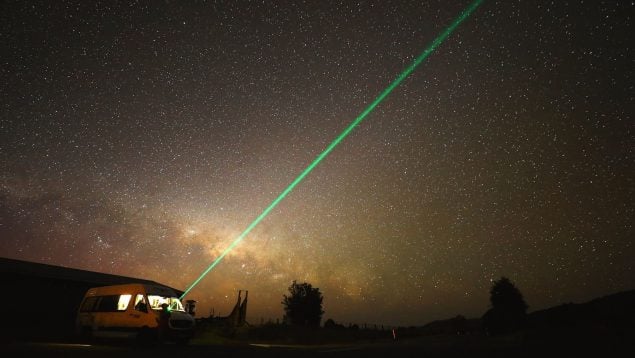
(173,303)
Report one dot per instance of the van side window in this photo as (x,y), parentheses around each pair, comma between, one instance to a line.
(124,300)
(89,304)
(114,303)
(107,304)
(140,303)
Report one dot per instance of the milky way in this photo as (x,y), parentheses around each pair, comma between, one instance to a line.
(141,139)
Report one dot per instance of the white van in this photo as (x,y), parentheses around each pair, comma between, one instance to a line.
(134,310)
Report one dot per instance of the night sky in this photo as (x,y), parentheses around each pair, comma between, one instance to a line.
(141,138)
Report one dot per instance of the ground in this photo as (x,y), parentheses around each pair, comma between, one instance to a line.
(432,346)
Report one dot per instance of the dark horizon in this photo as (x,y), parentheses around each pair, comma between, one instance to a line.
(140,140)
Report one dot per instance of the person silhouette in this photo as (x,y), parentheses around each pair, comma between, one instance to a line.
(164,322)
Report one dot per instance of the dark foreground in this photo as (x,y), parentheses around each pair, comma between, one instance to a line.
(436,346)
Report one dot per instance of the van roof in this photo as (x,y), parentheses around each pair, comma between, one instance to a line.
(131,288)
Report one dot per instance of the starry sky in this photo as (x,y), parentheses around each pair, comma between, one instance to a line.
(141,138)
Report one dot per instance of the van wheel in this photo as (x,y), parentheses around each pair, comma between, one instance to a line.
(86,335)
(146,336)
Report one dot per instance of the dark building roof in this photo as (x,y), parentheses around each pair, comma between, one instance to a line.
(92,278)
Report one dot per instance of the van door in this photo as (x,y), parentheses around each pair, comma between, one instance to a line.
(141,315)
(110,316)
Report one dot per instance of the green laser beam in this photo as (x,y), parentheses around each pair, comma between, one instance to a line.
(437,41)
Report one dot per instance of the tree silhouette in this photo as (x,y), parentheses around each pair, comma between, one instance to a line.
(509,310)
(303,305)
